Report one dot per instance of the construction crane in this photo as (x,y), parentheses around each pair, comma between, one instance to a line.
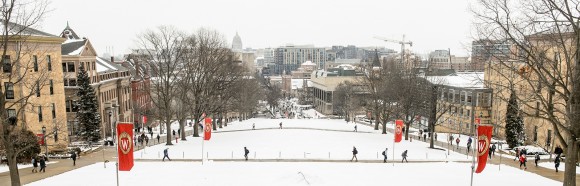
(402,43)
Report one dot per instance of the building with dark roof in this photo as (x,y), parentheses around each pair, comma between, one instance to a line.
(111,81)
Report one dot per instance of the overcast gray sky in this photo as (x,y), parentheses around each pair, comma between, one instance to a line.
(430,24)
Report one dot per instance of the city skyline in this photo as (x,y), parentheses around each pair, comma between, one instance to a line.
(262,24)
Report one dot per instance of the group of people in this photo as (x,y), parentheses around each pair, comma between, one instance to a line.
(39,161)
(385,152)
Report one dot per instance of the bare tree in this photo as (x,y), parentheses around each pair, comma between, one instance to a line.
(435,107)
(346,100)
(166,47)
(21,74)
(543,67)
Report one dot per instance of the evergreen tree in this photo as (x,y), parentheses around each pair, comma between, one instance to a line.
(89,118)
(513,122)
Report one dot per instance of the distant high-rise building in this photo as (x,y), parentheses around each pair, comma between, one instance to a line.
(483,51)
(237,43)
(289,58)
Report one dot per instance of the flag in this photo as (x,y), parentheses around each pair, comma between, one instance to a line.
(483,142)
(398,130)
(40,139)
(207,129)
(125,146)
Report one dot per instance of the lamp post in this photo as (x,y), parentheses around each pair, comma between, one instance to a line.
(111,124)
(44,141)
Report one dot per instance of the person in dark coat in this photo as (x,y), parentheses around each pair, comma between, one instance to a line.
(558,151)
(537,158)
(166,154)
(158,138)
(385,155)
(34,164)
(42,165)
(557,162)
(404,155)
(246,152)
(73,156)
(354,152)
(173,132)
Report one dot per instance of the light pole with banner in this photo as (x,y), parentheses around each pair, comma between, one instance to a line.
(44,141)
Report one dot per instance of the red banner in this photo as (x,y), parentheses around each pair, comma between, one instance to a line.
(207,129)
(40,139)
(144,119)
(125,146)
(483,142)
(398,130)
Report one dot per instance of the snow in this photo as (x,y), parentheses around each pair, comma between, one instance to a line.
(76,52)
(295,173)
(561,168)
(302,143)
(4,167)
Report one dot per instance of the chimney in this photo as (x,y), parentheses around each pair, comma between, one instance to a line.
(112,59)
(137,70)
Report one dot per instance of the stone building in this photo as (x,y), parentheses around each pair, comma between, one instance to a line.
(111,82)
(32,84)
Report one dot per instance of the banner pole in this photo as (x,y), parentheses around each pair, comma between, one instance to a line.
(476,149)
(202,144)
(394,149)
(117,148)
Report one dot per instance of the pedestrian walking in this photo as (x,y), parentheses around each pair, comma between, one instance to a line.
(420,134)
(42,165)
(493,149)
(34,164)
(253,126)
(424,137)
(73,156)
(355,126)
(457,140)
(558,151)
(166,154)
(537,158)
(158,138)
(435,136)
(523,161)
(146,141)
(354,152)
(173,132)
(489,152)
(246,152)
(385,155)
(517,154)
(280,125)
(469,141)
(557,162)
(404,155)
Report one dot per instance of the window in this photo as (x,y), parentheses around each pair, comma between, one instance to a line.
(65,82)
(37,89)
(35,61)
(6,64)
(535,133)
(74,106)
(68,105)
(72,82)
(549,138)
(39,113)
(51,87)
(53,111)
(71,66)
(49,63)
(63,67)
(9,89)
(11,112)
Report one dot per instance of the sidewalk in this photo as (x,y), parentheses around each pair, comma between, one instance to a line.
(545,172)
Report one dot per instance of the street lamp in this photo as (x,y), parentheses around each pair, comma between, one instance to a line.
(111,122)
(44,140)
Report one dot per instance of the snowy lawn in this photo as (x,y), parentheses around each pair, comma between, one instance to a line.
(550,165)
(4,167)
(298,143)
(296,173)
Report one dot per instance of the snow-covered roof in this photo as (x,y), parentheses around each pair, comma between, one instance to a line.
(460,79)
(73,47)
(299,83)
(15,28)
(104,65)
(308,63)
